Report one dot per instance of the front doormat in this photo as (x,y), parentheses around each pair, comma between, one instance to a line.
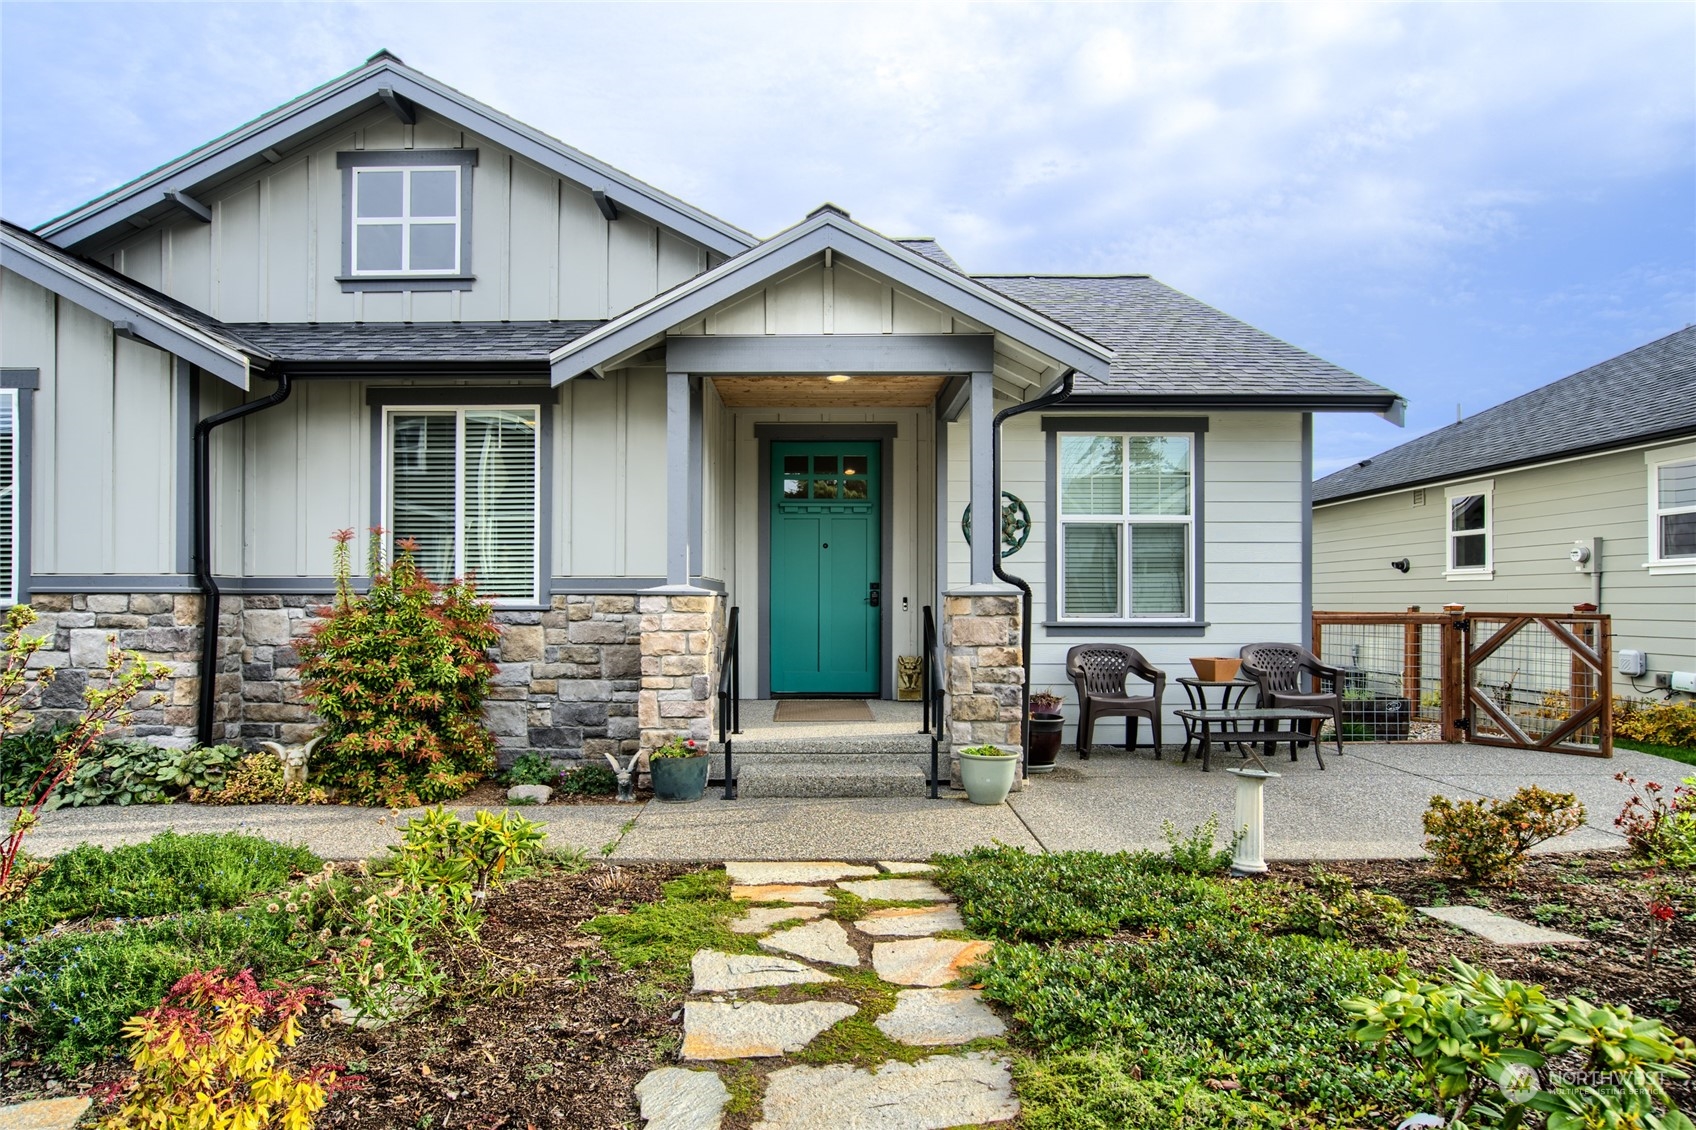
(822,710)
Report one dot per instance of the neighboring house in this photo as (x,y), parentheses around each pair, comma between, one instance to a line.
(386,304)
(1488,512)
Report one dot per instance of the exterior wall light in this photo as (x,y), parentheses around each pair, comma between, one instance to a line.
(1401,564)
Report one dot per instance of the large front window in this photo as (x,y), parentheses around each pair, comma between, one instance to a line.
(1127,526)
(8,496)
(1672,505)
(462,486)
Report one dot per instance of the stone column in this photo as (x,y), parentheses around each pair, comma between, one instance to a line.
(984,670)
(681,635)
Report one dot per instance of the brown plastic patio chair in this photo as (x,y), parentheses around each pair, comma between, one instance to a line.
(1277,669)
(1099,671)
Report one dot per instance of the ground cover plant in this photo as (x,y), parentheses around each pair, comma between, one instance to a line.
(399,675)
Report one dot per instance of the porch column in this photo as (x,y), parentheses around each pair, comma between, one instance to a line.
(986,511)
(683,472)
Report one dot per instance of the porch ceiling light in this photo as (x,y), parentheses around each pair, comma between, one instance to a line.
(838,378)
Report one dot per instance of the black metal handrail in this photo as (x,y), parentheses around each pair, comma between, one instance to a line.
(932,690)
(730,696)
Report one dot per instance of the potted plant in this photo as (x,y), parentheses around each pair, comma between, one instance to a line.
(678,770)
(1373,717)
(987,773)
(1046,722)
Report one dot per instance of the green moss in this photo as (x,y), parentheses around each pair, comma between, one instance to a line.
(746,1086)
(848,907)
(1114,1089)
(660,938)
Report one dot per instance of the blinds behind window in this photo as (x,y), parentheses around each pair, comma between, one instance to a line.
(1091,556)
(500,501)
(424,465)
(1159,570)
(8,496)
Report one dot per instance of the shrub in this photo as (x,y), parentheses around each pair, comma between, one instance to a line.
(530,769)
(587,780)
(1195,853)
(1486,841)
(1329,906)
(399,676)
(462,857)
(1656,723)
(24,757)
(169,874)
(134,772)
(1657,828)
(257,778)
(1470,1042)
(210,1057)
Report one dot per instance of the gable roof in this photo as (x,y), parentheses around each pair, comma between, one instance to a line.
(1640,396)
(831,228)
(155,318)
(1168,346)
(382,79)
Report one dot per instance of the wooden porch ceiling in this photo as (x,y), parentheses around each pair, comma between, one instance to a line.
(819,392)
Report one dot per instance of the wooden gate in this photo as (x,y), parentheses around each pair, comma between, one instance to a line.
(1525,680)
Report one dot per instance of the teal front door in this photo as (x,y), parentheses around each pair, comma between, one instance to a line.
(825,569)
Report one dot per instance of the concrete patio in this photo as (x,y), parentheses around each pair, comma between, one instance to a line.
(1367,803)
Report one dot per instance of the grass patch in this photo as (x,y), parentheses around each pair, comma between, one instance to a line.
(1670,752)
(661,937)
(747,1088)
(1107,1091)
(169,874)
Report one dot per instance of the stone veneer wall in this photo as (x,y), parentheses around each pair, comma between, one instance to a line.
(681,635)
(567,681)
(986,674)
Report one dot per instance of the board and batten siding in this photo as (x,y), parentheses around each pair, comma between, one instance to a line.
(289,477)
(540,249)
(1251,549)
(103,476)
(1539,513)
(815,299)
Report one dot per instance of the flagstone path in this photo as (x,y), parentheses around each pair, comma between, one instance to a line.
(808,954)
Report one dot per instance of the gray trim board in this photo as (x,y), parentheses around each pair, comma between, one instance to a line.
(983,476)
(808,354)
(347,162)
(824,433)
(1307,530)
(1120,629)
(618,586)
(190,207)
(1389,406)
(186,388)
(23,490)
(940,550)
(117,582)
(146,324)
(349,96)
(697,473)
(20,378)
(1054,622)
(460,394)
(832,231)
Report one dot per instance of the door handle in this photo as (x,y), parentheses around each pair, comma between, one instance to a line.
(876,597)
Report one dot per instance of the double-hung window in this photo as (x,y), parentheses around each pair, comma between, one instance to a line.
(462,487)
(9,509)
(1672,512)
(408,218)
(1126,526)
(1471,515)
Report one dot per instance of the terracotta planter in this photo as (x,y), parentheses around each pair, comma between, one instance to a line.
(1216,668)
(1044,743)
(678,778)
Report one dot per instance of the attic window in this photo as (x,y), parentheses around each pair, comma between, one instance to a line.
(407,219)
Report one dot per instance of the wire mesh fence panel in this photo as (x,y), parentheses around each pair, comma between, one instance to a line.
(1538,681)
(1392,669)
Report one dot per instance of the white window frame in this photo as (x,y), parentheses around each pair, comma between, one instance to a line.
(1125,520)
(407,222)
(458,412)
(1659,564)
(9,596)
(1486,488)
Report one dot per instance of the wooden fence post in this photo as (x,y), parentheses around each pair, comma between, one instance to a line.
(1454,673)
(1413,662)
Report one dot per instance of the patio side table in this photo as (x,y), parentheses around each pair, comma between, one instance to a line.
(1246,728)
(1231,695)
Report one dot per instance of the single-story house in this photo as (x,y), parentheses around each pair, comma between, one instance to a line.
(387,304)
(1581,491)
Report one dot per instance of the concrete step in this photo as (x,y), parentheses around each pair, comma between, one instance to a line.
(832,744)
(830,774)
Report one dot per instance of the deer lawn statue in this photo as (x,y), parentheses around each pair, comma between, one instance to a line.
(294,758)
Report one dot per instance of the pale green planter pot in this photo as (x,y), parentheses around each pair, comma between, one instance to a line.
(988,780)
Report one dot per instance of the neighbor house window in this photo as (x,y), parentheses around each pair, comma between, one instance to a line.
(462,486)
(1672,511)
(1471,513)
(9,509)
(408,216)
(1126,526)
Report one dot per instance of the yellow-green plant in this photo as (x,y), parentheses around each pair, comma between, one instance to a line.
(1656,723)
(462,857)
(210,1057)
(1486,841)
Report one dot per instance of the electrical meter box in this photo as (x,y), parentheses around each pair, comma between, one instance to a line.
(1632,663)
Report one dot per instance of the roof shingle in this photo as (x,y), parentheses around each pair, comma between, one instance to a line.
(435,342)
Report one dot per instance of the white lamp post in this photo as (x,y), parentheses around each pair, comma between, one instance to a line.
(1250,827)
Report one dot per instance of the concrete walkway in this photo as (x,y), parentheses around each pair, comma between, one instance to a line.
(1366,804)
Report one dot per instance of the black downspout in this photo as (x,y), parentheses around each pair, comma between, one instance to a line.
(1056,395)
(209,595)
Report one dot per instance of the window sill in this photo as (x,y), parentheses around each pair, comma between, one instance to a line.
(1671,568)
(392,283)
(1470,574)
(1125,627)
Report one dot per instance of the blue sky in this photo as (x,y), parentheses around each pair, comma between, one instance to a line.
(1462,202)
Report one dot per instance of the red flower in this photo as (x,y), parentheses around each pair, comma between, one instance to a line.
(1662,910)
